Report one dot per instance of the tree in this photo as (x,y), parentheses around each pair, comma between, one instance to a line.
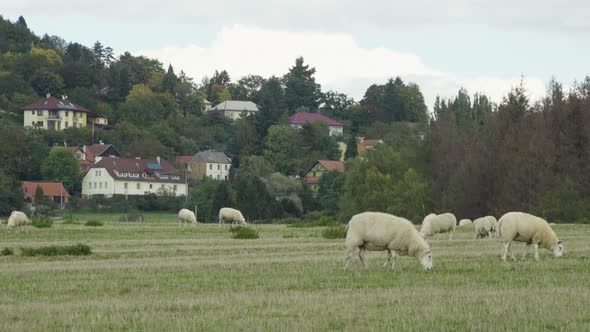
(169,81)
(62,166)
(301,88)
(47,82)
(11,197)
(282,147)
(351,148)
(247,88)
(330,189)
(39,198)
(272,104)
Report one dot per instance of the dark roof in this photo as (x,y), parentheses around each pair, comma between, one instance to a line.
(98,149)
(184,160)
(332,165)
(49,188)
(130,165)
(53,103)
(211,156)
(304,117)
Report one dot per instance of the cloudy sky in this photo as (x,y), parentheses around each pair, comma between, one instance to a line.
(484,46)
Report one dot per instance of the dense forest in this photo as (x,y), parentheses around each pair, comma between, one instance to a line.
(467,155)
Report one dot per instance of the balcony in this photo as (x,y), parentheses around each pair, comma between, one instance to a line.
(53,117)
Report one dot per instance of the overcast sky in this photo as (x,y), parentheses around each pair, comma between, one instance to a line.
(484,46)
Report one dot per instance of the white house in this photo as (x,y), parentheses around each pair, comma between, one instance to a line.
(212,164)
(234,109)
(127,176)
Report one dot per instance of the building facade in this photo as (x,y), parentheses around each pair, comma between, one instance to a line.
(235,109)
(127,176)
(58,114)
(52,191)
(212,164)
(313,175)
(297,120)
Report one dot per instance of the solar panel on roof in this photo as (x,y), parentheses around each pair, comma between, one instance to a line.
(154,166)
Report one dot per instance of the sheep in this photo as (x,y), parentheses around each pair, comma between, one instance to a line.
(376,231)
(465,222)
(484,226)
(186,216)
(441,223)
(524,227)
(17,219)
(229,214)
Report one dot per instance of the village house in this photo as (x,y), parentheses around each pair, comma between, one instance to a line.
(207,105)
(212,164)
(234,109)
(52,191)
(58,114)
(313,175)
(87,155)
(297,120)
(366,144)
(128,176)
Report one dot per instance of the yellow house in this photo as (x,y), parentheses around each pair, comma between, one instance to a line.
(313,175)
(55,114)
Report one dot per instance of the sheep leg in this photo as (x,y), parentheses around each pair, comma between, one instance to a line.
(511,253)
(348,258)
(526,248)
(536,245)
(450,235)
(363,259)
(393,261)
(387,259)
(506,246)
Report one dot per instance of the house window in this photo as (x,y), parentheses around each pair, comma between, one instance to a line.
(67,114)
(33,112)
(33,123)
(225,178)
(150,186)
(226,167)
(139,186)
(218,167)
(174,187)
(210,166)
(313,173)
(100,185)
(125,186)
(105,185)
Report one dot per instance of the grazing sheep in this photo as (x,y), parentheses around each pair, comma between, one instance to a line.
(186,216)
(484,226)
(465,222)
(442,223)
(524,227)
(17,219)
(375,231)
(231,215)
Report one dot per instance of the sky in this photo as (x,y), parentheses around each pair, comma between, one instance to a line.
(482,46)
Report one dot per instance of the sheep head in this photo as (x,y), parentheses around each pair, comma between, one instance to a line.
(558,249)
(426,259)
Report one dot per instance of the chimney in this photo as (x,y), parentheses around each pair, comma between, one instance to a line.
(158,159)
(47,95)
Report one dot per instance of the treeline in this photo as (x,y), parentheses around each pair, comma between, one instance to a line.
(469,155)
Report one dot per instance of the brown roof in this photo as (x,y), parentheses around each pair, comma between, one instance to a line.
(98,149)
(53,103)
(367,143)
(130,165)
(332,165)
(49,189)
(183,159)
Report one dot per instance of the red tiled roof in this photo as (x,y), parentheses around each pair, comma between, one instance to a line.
(49,189)
(118,165)
(53,103)
(332,165)
(304,117)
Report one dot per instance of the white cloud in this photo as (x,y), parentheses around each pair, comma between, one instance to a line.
(341,64)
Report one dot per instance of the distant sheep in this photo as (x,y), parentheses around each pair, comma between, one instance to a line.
(17,219)
(186,216)
(442,223)
(231,215)
(375,231)
(524,227)
(484,226)
(465,222)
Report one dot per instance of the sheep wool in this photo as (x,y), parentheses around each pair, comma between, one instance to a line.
(524,227)
(186,216)
(484,226)
(465,222)
(17,219)
(442,223)
(375,231)
(231,215)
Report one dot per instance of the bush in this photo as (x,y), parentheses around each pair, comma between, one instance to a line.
(7,252)
(93,222)
(73,250)
(44,210)
(334,232)
(323,221)
(242,232)
(42,222)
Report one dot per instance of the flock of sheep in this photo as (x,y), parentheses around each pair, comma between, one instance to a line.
(375,231)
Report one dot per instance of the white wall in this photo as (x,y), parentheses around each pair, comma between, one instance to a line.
(99,182)
(218,174)
(336,131)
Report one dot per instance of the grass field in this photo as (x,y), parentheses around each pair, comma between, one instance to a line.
(157,276)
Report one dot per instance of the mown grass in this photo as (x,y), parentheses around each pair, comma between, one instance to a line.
(157,276)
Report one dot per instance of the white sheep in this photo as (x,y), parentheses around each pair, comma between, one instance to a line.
(231,215)
(375,231)
(524,227)
(186,216)
(465,222)
(17,219)
(484,226)
(441,223)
